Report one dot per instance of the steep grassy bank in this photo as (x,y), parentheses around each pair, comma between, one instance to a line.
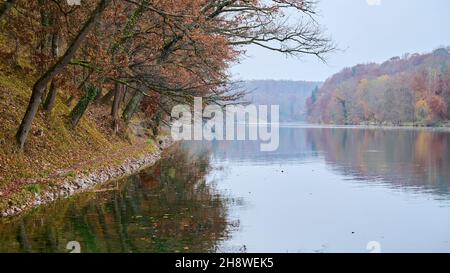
(54,150)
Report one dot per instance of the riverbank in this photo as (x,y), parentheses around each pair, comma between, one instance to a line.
(66,186)
(59,161)
(440,124)
(442,127)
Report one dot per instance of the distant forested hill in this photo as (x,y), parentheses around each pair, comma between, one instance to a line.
(290,95)
(413,89)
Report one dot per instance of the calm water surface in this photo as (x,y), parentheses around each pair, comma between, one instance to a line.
(323,190)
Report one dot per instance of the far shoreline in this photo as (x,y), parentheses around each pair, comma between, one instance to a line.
(302,124)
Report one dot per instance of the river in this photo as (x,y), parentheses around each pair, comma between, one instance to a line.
(326,189)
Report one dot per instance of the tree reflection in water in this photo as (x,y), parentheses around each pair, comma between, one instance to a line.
(415,159)
(167,208)
(399,158)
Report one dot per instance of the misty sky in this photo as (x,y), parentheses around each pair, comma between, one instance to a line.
(365,31)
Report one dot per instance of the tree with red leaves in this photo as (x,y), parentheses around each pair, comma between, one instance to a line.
(152,54)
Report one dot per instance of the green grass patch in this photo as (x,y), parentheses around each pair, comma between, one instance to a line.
(34,188)
(71,174)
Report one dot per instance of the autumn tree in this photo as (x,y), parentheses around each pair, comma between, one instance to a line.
(237,23)
(412,89)
(47,77)
(154,54)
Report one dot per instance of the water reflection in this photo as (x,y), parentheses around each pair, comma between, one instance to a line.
(402,158)
(398,157)
(323,190)
(337,189)
(167,208)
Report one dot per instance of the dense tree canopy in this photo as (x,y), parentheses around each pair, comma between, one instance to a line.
(149,54)
(412,89)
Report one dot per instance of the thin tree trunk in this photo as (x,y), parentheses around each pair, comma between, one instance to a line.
(6,7)
(124,93)
(115,107)
(55,44)
(40,85)
(132,106)
(51,96)
(46,22)
(81,107)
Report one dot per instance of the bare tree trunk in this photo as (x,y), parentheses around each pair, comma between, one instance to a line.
(6,7)
(81,107)
(51,96)
(132,106)
(115,107)
(46,21)
(124,93)
(39,86)
(100,94)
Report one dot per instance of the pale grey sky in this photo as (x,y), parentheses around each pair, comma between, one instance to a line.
(365,30)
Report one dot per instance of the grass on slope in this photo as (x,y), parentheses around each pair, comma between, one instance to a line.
(52,147)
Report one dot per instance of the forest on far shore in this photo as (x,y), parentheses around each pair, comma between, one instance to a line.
(409,90)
